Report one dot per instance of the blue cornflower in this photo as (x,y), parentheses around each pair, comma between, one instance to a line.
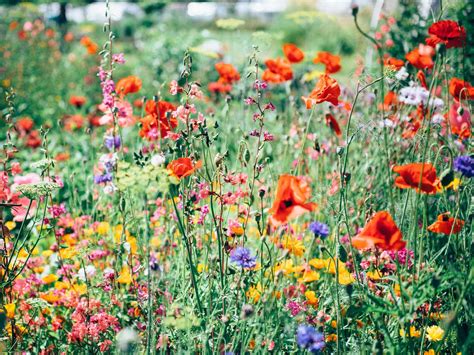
(112,142)
(309,338)
(319,229)
(242,257)
(102,179)
(465,165)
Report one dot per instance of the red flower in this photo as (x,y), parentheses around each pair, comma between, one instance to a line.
(421,57)
(279,70)
(381,232)
(332,123)
(411,175)
(393,62)
(460,121)
(461,90)
(33,140)
(327,89)
(220,87)
(291,199)
(448,32)
(227,72)
(293,53)
(183,167)
(158,120)
(128,85)
(446,225)
(331,61)
(24,124)
(77,101)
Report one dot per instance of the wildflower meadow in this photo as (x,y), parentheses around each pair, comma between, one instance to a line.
(289,183)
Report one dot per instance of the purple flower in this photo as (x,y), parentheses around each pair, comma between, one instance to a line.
(112,142)
(242,257)
(102,179)
(319,229)
(465,165)
(309,338)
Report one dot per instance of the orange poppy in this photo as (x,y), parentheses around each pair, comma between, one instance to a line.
(446,225)
(331,61)
(333,124)
(448,32)
(411,175)
(77,101)
(278,71)
(217,86)
(158,119)
(183,167)
(24,124)
(327,89)
(393,62)
(422,78)
(291,199)
(381,232)
(421,57)
(293,53)
(128,85)
(390,100)
(460,89)
(227,72)
(90,45)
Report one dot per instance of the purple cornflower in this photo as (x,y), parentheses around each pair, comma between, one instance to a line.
(242,257)
(309,338)
(319,229)
(465,165)
(112,142)
(102,179)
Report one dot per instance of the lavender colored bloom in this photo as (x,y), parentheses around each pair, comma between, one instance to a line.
(102,179)
(110,142)
(309,338)
(242,257)
(465,165)
(319,229)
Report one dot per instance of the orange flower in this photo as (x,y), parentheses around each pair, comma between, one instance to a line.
(446,225)
(332,123)
(390,100)
(421,57)
(227,72)
(327,89)
(422,78)
(393,62)
(461,90)
(77,101)
(128,85)
(448,32)
(293,53)
(381,232)
(158,120)
(331,61)
(183,167)
(24,124)
(217,86)
(90,45)
(412,174)
(279,70)
(291,199)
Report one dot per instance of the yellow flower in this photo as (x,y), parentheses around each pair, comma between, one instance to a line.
(453,184)
(311,298)
(59,285)
(124,277)
(374,275)
(67,253)
(429,352)
(331,337)
(255,292)
(293,245)
(10,308)
(434,333)
(10,225)
(103,228)
(49,279)
(47,253)
(309,276)
(318,263)
(202,267)
(345,278)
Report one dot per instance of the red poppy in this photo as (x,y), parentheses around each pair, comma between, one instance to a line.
(73,122)
(278,71)
(332,123)
(217,86)
(331,61)
(293,53)
(446,225)
(24,124)
(77,101)
(158,121)
(422,78)
(460,89)
(419,176)
(381,232)
(390,100)
(183,167)
(291,199)
(421,57)
(33,140)
(227,72)
(327,89)
(128,85)
(460,121)
(448,32)
(393,62)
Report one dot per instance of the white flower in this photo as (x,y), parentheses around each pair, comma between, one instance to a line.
(157,160)
(88,271)
(126,337)
(413,95)
(437,118)
(402,74)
